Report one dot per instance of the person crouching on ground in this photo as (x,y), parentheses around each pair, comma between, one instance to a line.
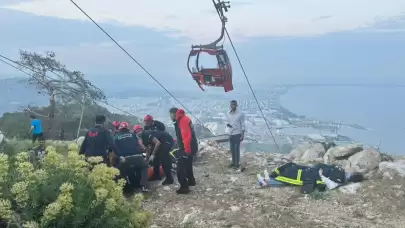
(188,147)
(162,143)
(130,159)
(98,140)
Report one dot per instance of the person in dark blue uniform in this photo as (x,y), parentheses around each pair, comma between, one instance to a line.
(98,140)
(161,143)
(130,158)
(153,125)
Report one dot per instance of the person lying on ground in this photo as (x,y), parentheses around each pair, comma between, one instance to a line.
(161,143)
(98,140)
(153,125)
(320,176)
(129,157)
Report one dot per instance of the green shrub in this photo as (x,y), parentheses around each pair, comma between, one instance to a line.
(62,192)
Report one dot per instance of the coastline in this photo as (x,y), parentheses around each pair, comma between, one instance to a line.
(370,124)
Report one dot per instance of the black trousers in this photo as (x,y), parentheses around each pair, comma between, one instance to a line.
(163,158)
(39,137)
(132,166)
(185,174)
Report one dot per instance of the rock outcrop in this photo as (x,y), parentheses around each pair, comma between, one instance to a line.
(225,197)
(391,169)
(352,157)
(365,160)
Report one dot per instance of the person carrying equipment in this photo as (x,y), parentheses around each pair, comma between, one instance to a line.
(98,140)
(188,147)
(320,177)
(161,143)
(129,157)
(153,125)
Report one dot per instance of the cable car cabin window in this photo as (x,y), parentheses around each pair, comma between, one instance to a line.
(222,59)
(207,61)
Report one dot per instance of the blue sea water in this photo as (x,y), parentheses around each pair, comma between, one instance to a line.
(379,109)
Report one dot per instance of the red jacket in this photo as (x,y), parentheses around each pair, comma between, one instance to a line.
(184,132)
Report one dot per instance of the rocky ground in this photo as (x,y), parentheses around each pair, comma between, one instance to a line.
(225,197)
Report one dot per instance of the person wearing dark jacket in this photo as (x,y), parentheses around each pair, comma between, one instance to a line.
(320,176)
(153,125)
(98,140)
(188,147)
(130,158)
(161,143)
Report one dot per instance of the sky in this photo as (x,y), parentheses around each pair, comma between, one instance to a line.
(279,42)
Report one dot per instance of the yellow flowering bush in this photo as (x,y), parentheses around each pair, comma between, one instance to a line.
(64,190)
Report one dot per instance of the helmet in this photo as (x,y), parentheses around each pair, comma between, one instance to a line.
(136,128)
(148,118)
(123,125)
(116,123)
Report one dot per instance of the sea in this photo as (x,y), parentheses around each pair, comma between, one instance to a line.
(380,109)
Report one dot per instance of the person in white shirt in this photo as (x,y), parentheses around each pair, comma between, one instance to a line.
(236,126)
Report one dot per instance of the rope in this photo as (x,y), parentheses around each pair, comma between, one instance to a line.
(250,86)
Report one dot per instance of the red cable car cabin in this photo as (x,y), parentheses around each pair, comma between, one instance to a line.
(216,77)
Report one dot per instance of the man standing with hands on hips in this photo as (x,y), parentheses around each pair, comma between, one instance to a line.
(236,125)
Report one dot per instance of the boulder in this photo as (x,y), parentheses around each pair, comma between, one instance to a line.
(329,158)
(343,152)
(365,160)
(393,168)
(298,152)
(313,153)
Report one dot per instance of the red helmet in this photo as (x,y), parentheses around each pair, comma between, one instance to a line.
(116,124)
(148,118)
(123,125)
(137,128)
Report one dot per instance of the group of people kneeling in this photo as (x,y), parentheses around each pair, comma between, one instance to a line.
(131,150)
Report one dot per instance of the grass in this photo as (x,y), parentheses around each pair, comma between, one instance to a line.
(317,195)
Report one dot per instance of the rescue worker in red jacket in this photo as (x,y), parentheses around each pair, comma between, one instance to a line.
(188,147)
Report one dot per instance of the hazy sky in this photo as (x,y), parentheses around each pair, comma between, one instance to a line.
(285,41)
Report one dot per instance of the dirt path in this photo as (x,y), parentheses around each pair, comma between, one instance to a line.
(226,198)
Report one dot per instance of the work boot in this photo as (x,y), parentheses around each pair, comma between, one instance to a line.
(168,181)
(144,189)
(192,182)
(183,191)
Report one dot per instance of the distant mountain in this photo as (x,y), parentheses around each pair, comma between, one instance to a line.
(16,92)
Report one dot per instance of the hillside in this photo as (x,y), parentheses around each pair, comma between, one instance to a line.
(16,124)
(227,198)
